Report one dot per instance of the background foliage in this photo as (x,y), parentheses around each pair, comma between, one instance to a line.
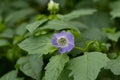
(26,30)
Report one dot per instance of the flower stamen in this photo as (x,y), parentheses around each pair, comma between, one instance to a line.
(62,41)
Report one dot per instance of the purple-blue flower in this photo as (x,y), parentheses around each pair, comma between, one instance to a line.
(64,41)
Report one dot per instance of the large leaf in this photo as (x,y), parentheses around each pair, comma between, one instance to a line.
(98,19)
(59,25)
(18,16)
(12,75)
(88,66)
(37,45)
(78,25)
(77,13)
(56,25)
(65,75)
(33,26)
(55,66)
(31,65)
(114,66)
(94,34)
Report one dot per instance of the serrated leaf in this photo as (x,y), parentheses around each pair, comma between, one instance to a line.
(31,65)
(55,66)
(12,75)
(38,45)
(78,13)
(114,66)
(114,37)
(33,26)
(88,66)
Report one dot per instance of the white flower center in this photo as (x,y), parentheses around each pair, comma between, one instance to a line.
(62,41)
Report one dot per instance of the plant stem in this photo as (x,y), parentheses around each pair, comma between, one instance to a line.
(81,49)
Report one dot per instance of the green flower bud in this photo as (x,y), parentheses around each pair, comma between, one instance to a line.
(96,46)
(53,7)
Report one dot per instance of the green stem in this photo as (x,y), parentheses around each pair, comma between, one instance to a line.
(81,49)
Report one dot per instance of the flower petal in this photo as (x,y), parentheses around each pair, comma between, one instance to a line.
(62,50)
(70,38)
(58,35)
(54,42)
(66,49)
(69,47)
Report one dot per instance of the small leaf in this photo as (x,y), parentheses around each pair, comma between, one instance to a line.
(114,66)
(12,75)
(115,9)
(38,45)
(55,66)
(88,66)
(33,26)
(114,37)
(31,65)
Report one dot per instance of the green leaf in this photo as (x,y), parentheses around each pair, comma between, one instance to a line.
(38,45)
(78,25)
(77,13)
(33,26)
(2,27)
(115,9)
(55,66)
(20,30)
(3,42)
(98,34)
(31,65)
(65,75)
(114,66)
(12,75)
(115,13)
(56,25)
(23,14)
(8,33)
(88,66)
(114,37)
(20,4)
(98,19)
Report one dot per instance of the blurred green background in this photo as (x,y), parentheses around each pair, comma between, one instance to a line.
(16,14)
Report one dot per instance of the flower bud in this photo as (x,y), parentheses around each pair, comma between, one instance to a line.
(53,7)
